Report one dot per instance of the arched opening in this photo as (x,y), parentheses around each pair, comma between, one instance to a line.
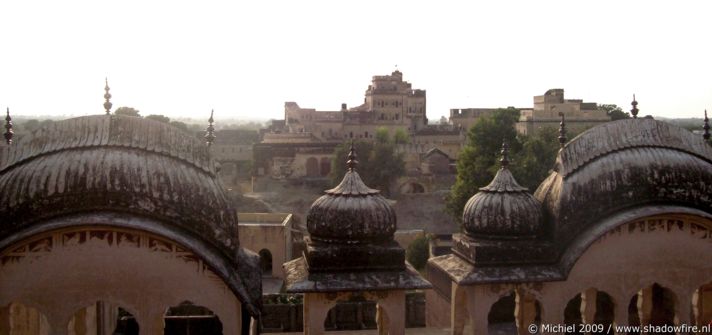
(188,318)
(325,167)
(354,313)
(653,305)
(266,262)
(502,318)
(597,311)
(16,318)
(102,318)
(312,167)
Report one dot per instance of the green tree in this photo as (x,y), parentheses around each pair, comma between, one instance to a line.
(379,163)
(400,136)
(159,118)
(382,135)
(533,163)
(31,124)
(417,252)
(476,164)
(179,125)
(128,111)
(615,112)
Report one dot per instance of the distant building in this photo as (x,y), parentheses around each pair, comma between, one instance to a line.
(545,113)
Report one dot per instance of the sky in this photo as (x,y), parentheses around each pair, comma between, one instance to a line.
(244,59)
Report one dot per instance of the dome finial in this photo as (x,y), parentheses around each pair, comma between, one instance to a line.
(210,133)
(352,162)
(706,127)
(107,97)
(504,161)
(9,133)
(634,111)
(562,130)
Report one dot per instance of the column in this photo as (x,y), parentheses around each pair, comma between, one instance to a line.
(588,305)
(645,305)
(458,307)
(683,309)
(477,310)
(552,314)
(316,307)
(394,317)
(524,311)
(620,312)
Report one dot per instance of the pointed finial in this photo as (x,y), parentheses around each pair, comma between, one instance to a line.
(210,133)
(352,162)
(9,133)
(562,130)
(634,111)
(706,127)
(504,162)
(107,97)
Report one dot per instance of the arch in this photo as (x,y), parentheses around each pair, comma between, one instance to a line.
(582,309)
(653,305)
(102,317)
(213,258)
(266,262)
(355,313)
(325,166)
(585,239)
(142,291)
(510,310)
(312,167)
(189,318)
(18,318)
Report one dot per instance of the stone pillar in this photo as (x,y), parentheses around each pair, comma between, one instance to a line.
(5,320)
(477,311)
(458,308)
(393,320)
(683,309)
(696,307)
(316,307)
(588,305)
(620,311)
(645,305)
(150,319)
(524,311)
(552,314)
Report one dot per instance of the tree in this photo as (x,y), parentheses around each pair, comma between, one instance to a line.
(400,136)
(417,252)
(443,120)
(533,163)
(615,112)
(476,164)
(382,135)
(379,163)
(128,111)
(179,125)
(159,118)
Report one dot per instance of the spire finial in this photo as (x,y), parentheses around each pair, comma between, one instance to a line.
(210,133)
(352,162)
(562,130)
(706,127)
(107,97)
(634,111)
(9,133)
(504,162)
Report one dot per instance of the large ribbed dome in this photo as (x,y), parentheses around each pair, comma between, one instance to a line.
(351,213)
(115,163)
(503,209)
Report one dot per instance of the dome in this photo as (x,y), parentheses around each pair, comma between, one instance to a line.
(116,164)
(623,165)
(503,209)
(351,212)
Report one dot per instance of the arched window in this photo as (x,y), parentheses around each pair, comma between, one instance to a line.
(188,318)
(266,262)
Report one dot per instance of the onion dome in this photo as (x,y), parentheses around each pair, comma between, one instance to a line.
(503,209)
(351,212)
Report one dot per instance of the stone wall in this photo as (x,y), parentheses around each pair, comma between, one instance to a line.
(347,315)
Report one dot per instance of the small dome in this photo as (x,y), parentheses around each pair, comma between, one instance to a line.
(351,212)
(503,209)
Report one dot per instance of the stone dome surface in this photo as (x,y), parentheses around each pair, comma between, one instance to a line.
(623,165)
(351,213)
(115,163)
(502,210)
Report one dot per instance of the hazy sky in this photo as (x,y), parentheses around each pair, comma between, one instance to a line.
(245,59)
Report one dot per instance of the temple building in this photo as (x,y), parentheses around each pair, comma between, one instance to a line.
(351,253)
(618,234)
(119,223)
